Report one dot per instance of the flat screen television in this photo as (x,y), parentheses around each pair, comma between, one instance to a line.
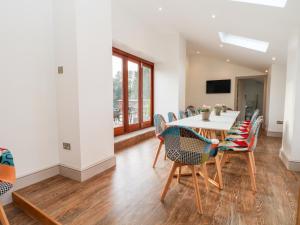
(218,86)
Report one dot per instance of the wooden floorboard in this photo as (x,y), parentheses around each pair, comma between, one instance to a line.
(130,193)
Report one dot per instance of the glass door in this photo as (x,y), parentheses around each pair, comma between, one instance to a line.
(132,92)
(147,95)
(118,97)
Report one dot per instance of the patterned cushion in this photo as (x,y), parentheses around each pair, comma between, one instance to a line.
(238,145)
(5,187)
(236,137)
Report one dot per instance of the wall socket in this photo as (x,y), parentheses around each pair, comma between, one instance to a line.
(279,122)
(67,146)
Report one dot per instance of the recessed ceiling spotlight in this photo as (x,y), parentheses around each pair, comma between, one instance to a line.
(160,9)
(197,52)
(273,58)
(213,16)
(227,60)
(221,45)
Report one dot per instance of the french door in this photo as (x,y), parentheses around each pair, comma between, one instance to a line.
(133,82)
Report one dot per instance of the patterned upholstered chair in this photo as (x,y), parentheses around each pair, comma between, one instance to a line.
(160,126)
(185,147)
(7,178)
(245,126)
(172,117)
(182,114)
(244,147)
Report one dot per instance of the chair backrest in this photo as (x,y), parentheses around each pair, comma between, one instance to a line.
(190,112)
(184,145)
(198,111)
(253,134)
(254,116)
(172,117)
(182,114)
(159,123)
(7,166)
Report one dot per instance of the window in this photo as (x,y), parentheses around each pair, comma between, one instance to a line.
(244,42)
(132,92)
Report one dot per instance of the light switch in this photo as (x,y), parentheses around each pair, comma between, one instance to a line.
(60,70)
(67,146)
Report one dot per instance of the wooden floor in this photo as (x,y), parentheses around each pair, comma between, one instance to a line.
(129,194)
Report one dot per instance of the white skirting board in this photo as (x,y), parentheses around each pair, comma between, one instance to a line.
(63,170)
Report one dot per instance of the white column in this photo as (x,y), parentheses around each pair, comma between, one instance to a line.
(275,99)
(290,152)
(84,48)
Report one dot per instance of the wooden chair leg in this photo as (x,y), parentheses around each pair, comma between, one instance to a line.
(165,158)
(3,217)
(251,171)
(204,167)
(253,161)
(157,154)
(219,172)
(169,181)
(179,174)
(298,211)
(197,192)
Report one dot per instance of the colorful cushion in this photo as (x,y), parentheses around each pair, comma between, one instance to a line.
(236,137)
(238,145)
(7,170)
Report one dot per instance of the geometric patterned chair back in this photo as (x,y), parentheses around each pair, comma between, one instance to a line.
(253,134)
(172,117)
(7,171)
(159,123)
(184,145)
(254,117)
(182,114)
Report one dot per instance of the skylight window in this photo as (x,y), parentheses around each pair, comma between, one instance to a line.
(274,3)
(244,42)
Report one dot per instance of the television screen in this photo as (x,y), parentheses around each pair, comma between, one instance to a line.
(218,86)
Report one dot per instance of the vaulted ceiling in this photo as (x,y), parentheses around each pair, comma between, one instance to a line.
(194,20)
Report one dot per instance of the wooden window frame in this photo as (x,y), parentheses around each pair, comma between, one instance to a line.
(127,128)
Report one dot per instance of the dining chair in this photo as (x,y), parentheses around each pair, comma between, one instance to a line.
(243,135)
(244,147)
(185,147)
(190,112)
(244,127)
(7,178)
(198,111)
(172,117)
(160,126)
(182,114)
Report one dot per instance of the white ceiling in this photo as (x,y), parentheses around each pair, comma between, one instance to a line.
(193,19)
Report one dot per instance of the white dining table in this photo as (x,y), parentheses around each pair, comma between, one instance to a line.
(224,122)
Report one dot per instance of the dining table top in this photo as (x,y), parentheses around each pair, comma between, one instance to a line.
(224,122)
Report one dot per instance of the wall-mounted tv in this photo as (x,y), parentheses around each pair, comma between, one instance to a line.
(218,86)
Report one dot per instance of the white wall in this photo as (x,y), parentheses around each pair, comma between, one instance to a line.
(83,46)
(28,90)
(67,84)
(167,51)
(95,83)
(291,129)
(203,68)
(276,97)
